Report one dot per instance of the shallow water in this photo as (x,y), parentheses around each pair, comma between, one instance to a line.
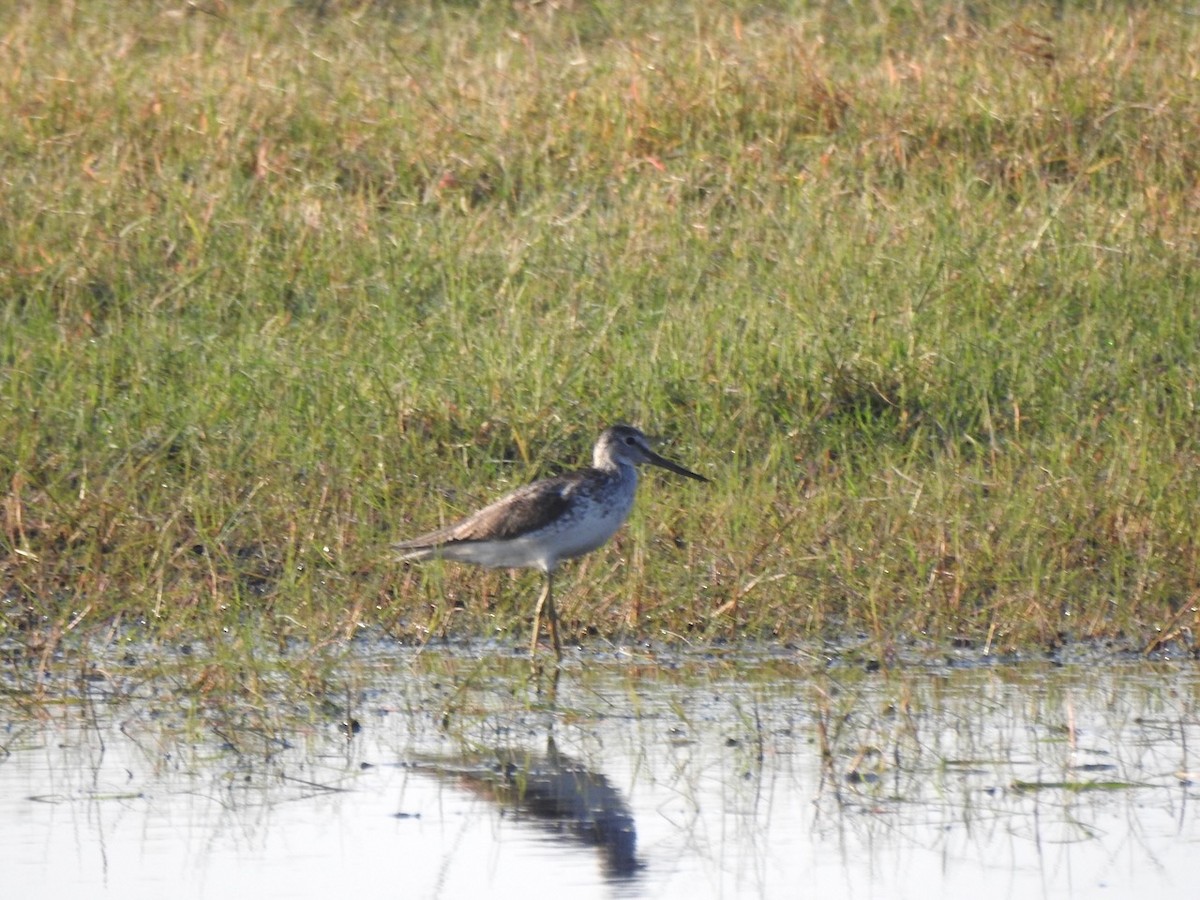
(439,775)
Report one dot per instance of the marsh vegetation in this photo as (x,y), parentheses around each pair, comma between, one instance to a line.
(915,284)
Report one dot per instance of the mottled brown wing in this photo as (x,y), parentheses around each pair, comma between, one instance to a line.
(524,510)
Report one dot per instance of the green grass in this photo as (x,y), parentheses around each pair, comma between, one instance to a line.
(915,284)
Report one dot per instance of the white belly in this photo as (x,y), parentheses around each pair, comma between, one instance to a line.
(587,529)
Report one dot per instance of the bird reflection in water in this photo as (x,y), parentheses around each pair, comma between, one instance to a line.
(560,794)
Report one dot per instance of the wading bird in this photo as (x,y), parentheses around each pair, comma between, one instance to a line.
(541,524)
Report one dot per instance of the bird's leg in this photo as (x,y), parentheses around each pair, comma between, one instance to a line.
(546,601)
(552,615)
(537,615)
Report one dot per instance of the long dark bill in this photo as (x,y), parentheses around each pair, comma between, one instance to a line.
(663,463)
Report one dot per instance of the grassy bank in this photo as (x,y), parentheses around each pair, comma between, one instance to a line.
(916,285)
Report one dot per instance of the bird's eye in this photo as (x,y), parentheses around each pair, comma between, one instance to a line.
(630,441)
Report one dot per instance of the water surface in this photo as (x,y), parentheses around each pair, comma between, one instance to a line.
(422,774)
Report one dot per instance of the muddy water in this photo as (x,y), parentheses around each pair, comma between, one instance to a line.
(448,775)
